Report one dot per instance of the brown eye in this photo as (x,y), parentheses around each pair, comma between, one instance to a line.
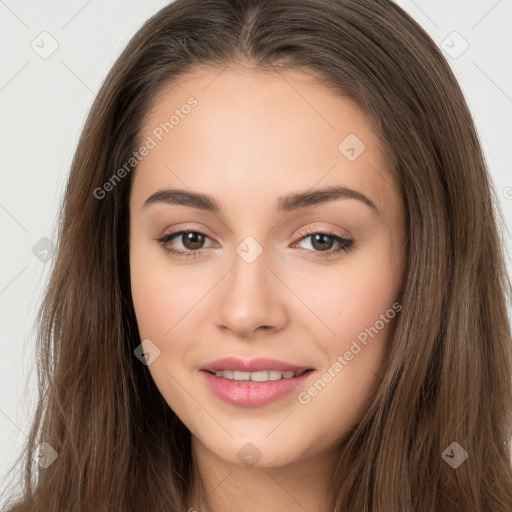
(322,242)
(188,244)
(192,240)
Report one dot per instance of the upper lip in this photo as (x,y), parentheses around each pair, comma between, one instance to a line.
(253,365)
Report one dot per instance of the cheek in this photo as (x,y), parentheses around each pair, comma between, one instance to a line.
(351,297)
(163,303)
(162,292)
(366,295)
(359,302)
(168,301)
(151,300)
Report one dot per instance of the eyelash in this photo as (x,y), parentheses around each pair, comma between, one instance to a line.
(346,244)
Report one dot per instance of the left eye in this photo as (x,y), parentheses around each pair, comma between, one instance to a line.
(192,242)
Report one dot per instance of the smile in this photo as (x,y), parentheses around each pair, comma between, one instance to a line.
(253,383)
(261,376)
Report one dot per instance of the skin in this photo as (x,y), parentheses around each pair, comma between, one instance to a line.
(253,137)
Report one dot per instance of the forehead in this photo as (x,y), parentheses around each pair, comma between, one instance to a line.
(256,133)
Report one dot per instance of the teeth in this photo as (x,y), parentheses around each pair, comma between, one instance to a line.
(262,376)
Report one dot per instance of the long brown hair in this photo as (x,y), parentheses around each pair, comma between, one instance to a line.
(448,370)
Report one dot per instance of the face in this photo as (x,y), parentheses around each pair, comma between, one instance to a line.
(268,270)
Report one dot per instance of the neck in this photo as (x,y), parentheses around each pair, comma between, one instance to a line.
(221,486)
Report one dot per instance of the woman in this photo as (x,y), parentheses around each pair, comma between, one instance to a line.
(202,348)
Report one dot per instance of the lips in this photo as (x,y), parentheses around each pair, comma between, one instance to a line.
(253,365)
(218,376)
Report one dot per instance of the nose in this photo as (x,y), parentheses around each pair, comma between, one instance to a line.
(251,300)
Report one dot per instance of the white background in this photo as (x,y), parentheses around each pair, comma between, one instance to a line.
(43,104)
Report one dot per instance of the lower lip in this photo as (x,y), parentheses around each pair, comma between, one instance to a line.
(252,394)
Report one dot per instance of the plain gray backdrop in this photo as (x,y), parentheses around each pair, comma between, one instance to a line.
(54,57)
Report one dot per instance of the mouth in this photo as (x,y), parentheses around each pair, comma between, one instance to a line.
(258,365)
(259,376)
(253,383)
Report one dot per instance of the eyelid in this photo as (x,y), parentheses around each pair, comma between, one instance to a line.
(184,227)
(328,231)
(301,234)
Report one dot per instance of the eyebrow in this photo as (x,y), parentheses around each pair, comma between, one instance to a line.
(287,203)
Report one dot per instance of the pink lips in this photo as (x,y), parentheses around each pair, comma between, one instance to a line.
(254,365)
(252,394)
